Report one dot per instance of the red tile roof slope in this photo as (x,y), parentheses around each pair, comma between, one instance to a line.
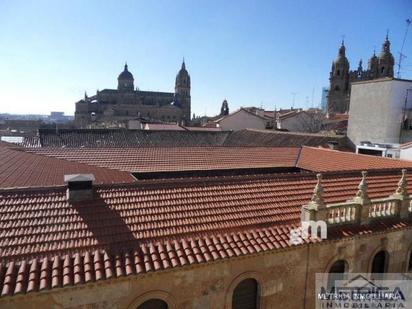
(47,242)
(269,138)
(167,159)
(21,169)
(172,159)
(105,138)
(325,160)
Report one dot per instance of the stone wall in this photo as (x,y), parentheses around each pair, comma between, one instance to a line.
(286,278)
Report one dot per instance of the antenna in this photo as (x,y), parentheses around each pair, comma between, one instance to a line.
(401,55)
(293,98)
(313,94)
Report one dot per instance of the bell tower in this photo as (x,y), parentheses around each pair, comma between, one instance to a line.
(386,60)
(182,91)
(338,99)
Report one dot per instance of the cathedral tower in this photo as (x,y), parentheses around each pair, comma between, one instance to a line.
(125,81)
(338,99)
(182,91)
(386,60)
(224,110)
(373,64)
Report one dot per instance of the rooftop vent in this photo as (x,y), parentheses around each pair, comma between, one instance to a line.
(79,187)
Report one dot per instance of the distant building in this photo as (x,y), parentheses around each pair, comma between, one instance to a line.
(114,107)
(341,76)
(324,100)
(380,150)
(59,117)
(246,118)
(381,111)
(19,127)
(299,120)
(335,122)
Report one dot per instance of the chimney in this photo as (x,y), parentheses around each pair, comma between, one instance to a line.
(79,187)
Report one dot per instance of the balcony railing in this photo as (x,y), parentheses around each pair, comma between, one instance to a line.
(341,213)
(360,209)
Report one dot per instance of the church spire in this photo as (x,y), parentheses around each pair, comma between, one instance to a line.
(183,64)
(342,48)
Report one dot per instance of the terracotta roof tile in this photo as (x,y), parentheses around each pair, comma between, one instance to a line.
(270,138)
(123,138)
(21,169)
(325,160)
(47,242)
(168,159)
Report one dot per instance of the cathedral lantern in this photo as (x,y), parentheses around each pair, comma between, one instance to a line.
(125,80)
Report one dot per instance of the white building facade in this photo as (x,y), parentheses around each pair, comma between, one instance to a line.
(381,111)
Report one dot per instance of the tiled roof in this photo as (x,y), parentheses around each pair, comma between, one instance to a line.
(47,242)
(163,126)
(180,159)
(270,138)
(290,114)
(169,159)
(76,138)
(245,110)
(203,129)
(406,145)
(324,160)
(21,169)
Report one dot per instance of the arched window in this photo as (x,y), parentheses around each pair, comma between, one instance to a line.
(153,303)
(337,272)
(379,264)
(246,295)
(338,72)
(336,88)
(382,70)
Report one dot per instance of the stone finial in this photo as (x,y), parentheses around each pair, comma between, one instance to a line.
(363,187)
(402,184)
(317,197)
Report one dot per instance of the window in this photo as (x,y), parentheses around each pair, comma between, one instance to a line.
(154,303)
(337,88)
(338,72)
(337,272)
(382,69)
(245,295)
(409,269)
(379,264)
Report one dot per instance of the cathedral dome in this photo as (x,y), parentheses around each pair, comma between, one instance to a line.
(125,74)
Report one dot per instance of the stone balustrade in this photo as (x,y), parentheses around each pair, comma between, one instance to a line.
(361,209)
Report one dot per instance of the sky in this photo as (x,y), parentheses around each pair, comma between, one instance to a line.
(252,53)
